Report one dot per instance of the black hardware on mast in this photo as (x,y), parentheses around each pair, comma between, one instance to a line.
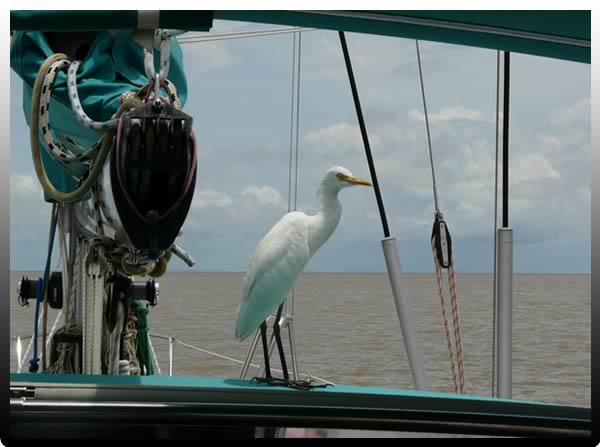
(505,125)
(365,137)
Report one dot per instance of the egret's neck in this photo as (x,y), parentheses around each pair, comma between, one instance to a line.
(326,220)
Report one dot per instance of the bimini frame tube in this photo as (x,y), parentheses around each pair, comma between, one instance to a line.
(505,260)
(390,249)
(407,323)
(505,288)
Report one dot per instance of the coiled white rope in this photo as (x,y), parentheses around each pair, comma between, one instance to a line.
(129,347)
(76,104)
(57,149)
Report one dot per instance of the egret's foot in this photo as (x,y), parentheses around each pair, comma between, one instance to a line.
(306,385)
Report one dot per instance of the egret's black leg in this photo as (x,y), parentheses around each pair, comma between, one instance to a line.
(277,334)
(273,381)
(263,336)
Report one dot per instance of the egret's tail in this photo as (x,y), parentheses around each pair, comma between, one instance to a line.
(239,335)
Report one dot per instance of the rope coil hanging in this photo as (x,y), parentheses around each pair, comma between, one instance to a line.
(441,244)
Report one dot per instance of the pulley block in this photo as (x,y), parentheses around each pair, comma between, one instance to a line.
(441,240)
(153,174)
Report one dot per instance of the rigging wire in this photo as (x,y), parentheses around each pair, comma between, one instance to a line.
(241,35)
(435,195)
(364,135)
(294,147)
(292,123)
(494,304)
(298,67)
(441,247)
(297,119)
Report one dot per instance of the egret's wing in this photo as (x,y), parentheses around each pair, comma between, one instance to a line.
(274,267)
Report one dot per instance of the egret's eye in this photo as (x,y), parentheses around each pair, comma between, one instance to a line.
(340,176)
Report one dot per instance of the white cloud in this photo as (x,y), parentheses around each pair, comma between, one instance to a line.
(25,186)
(550,144)
(448,114)
(533,166)
(574,114)
(209,198)
(337,139)
(264,194)
(207,56)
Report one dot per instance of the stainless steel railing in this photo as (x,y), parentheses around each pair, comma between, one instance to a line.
(171,340)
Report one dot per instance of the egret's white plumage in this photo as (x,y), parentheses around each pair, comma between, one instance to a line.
(282,254)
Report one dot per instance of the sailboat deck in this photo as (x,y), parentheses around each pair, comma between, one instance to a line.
(160,400)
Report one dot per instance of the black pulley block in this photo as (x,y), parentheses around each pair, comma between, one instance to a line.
(55,290)
(440,236)
(119,290)
(124,289)
(146,291)
(153,174)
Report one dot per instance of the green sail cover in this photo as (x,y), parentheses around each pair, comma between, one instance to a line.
(113,65)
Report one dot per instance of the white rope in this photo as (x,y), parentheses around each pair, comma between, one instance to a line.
(76,104)
(130,364)
(98,319)
(56,149)
(88,338)
(65,361)
(113,347)
(165,61)
(92,315)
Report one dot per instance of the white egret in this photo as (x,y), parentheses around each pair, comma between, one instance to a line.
(281,256)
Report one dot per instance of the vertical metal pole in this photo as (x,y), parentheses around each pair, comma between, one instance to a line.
(505,259)
(250,355)
(170,356)
(390,249)
(19,353)
(407,323)
(293,349)
(505,286)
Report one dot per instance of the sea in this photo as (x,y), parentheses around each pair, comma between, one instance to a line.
(347,330)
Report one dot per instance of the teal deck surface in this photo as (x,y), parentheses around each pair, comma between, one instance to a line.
(231,384)
(129,401)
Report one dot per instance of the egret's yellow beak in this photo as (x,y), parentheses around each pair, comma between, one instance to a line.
(357,181)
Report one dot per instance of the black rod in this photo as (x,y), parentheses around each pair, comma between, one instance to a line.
(365,138)
(505,125)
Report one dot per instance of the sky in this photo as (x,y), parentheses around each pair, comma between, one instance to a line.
(240,98)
